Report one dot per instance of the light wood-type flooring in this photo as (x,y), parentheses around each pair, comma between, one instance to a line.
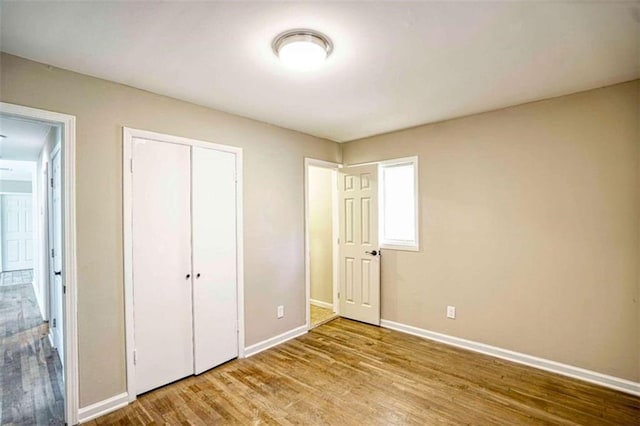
(348,373)
(321,315)
(31,390)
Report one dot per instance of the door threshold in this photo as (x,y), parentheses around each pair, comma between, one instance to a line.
(324,321)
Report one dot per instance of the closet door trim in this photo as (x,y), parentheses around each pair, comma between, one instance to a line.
(128,134)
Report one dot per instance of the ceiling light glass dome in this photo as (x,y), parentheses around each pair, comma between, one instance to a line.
(302,50)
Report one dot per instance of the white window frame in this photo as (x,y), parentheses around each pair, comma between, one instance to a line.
(399,244)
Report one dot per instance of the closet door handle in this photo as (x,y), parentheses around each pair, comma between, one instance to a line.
(188,276)
(198,275)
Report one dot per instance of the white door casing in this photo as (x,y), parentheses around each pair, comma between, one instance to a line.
(17,232)
(69,273)
(359,249)
(214,258)
(55,244)
(162,295)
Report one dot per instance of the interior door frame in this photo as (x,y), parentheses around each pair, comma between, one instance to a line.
(70,325)
(128,134)
(308,162)
(51,277)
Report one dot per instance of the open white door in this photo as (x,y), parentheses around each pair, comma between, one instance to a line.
(55,242)
(359,251)
(17,232)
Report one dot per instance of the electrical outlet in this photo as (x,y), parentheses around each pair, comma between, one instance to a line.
(280,311)
(451,312)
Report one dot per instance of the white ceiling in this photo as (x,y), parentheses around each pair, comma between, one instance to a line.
(24,138)
(395,64)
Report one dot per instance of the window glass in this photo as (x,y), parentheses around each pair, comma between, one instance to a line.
(398,204)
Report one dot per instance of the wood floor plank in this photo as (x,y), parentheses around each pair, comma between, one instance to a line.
(348,373)
(31,373)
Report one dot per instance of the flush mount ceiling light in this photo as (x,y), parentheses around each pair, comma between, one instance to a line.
(302,49)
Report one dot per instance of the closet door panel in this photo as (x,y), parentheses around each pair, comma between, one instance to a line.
(161,262)
(214,257)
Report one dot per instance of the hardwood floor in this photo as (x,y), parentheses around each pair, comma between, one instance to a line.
(24,276)
(30,371)
(345,372)
(320,315)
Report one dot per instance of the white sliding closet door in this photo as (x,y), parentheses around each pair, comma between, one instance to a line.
(161,234)
(214,258)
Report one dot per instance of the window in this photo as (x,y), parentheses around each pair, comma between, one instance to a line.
(399,204)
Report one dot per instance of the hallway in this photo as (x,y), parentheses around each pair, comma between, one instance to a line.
(31,389)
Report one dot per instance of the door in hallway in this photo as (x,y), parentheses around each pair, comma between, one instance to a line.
(17,232)
(55,226)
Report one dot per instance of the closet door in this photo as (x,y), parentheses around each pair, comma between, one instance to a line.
(214,258)
(161,263)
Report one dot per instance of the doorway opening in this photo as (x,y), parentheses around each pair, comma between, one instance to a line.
(321,230)
(37,291)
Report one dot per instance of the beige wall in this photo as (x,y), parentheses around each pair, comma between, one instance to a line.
(530,226)
(273,204)
(321,233)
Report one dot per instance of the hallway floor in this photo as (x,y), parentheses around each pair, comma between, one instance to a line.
(16,277)
(31,390)
(320,315)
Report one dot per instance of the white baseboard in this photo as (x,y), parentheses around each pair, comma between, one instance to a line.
(321,304)
(103,407)
(612,382)
(274,341)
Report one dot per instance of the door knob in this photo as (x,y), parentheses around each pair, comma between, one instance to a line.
(57,272)
(198,275)
(372,253)
(188,276)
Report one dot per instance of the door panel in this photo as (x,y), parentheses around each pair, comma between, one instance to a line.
(214,258)
(359,271)
(17,235)
(162,287)
(55,242)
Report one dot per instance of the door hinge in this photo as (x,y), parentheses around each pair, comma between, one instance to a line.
(135,357)
(338,295)
(64,289)
(53,323)
(52,253)
(131,164)
(51,182)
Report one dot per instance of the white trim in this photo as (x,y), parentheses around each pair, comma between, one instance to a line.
(336,246)
(321,304)
(275,341)
(397,244)
(127,241)
(103,407)
(127,137)
(611,382)
(68,123)
(307,249)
